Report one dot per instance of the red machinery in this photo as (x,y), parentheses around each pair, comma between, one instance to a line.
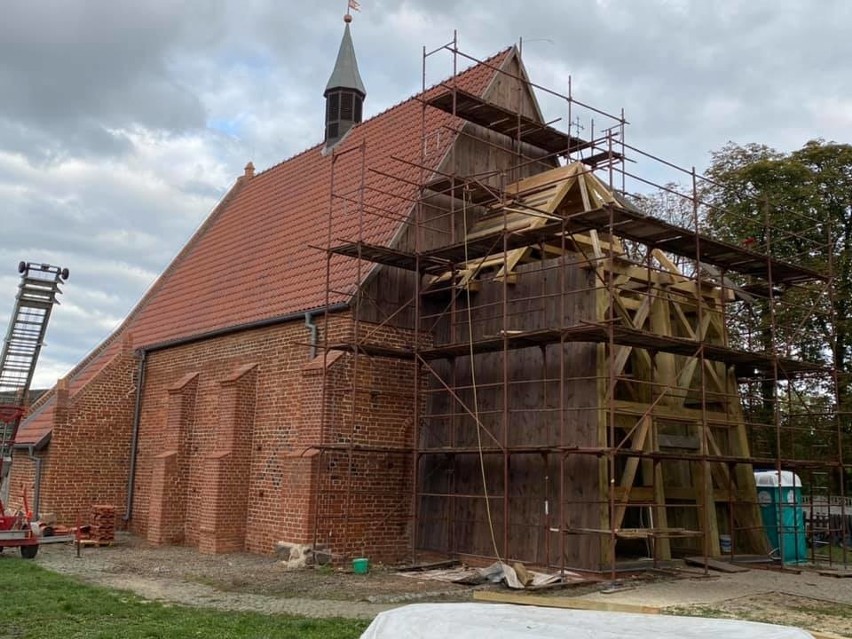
(36,297)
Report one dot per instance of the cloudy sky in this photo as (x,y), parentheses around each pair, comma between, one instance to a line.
(123,122)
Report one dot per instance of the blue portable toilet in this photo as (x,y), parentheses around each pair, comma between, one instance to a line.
(780,497)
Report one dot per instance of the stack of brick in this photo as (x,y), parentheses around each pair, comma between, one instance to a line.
(102,528)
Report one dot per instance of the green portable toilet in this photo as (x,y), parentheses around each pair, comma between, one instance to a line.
(780,499)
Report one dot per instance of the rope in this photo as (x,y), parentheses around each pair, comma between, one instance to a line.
(475,398)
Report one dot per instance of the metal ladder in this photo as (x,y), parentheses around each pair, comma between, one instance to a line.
(37,294)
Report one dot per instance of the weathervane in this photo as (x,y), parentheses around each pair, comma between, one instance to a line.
(351,5)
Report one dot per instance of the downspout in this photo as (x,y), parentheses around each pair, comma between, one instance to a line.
(37,479)
(311,325)
(134,441)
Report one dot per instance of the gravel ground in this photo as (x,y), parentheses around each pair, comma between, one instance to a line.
(253,583)
(807,600)
(717,588)
(242,581)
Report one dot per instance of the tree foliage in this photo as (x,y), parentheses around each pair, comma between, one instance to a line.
(797,207)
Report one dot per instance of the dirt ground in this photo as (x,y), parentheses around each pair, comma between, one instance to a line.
(250,582)
(806,600)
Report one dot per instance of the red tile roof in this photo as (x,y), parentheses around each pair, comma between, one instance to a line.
(253,259)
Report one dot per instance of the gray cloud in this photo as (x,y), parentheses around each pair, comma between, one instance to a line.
(123,122)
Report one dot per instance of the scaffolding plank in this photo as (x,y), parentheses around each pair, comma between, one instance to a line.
(639,227)
(636,226)
(514,125)
(597,333)
(388,256)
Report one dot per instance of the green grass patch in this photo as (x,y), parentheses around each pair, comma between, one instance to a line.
(833,553)
(41,604)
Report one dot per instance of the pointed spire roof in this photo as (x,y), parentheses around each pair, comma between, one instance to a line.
(345,74)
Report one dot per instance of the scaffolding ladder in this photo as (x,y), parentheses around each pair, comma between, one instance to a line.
(37,294)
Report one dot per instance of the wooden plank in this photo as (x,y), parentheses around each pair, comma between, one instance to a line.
(429,566)
(662,546)
(584,194)
(572,603)
(715,564)
(543,180)
(665,364)
(558,585)
(839,574)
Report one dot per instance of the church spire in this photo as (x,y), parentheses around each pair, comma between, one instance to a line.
(345,92)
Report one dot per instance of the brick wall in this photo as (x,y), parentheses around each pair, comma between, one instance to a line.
(169,472)
(252,459)
(365,497)
(268,431)
(89,452)
(21,478)
(243,442)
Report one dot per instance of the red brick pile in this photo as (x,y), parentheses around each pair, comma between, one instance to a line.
(102,527)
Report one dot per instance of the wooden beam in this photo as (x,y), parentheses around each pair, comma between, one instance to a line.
(561,602)
(675,413)
(630,468)
(706,504)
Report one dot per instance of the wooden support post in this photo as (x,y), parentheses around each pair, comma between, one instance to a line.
(631,466)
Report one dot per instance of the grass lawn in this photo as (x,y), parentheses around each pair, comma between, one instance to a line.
(40,604)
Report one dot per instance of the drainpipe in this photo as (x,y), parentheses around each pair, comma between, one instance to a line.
(37,481)
(310,323)
(134,441)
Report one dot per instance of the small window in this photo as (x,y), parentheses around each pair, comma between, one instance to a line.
(333,106)
(346,107)
(358,104)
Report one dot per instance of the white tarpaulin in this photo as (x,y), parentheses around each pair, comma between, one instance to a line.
(504,621)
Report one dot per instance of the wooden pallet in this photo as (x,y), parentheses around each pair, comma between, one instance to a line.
(96,543)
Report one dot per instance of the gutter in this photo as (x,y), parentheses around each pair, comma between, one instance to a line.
(310,323)
(238,328)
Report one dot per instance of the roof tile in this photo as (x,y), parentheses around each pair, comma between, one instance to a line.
(255,257)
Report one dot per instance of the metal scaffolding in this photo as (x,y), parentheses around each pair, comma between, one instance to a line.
(588,382)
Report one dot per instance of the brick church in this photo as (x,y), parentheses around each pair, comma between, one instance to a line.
(202,417)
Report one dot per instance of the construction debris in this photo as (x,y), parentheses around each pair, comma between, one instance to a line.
(295,556)
(518,577)
(714,564)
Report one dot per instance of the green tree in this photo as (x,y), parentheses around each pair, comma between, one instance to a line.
(797,207)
